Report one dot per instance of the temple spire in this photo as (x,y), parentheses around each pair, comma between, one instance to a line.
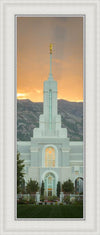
(50,74)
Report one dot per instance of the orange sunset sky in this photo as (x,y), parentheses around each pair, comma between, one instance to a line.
(34,35)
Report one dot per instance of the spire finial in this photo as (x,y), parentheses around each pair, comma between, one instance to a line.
(50,74)
(51,46)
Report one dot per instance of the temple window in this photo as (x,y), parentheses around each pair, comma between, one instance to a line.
(50,157)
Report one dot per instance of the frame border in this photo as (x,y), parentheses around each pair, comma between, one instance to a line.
(8,226)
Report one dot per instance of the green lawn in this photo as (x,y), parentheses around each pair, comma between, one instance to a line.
(49,211)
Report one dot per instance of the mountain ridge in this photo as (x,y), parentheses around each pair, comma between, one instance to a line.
(28,113)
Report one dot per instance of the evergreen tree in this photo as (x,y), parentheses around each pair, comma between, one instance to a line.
(20,172)
(23,190)
(58,188)
(68,186)
(32,186)
(42,188)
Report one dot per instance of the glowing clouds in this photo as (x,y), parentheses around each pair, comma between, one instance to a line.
(21,96)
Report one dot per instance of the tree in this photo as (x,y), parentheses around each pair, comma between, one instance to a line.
(23,190)
(58,188)
(42,188)
(20,172)
(32,186)
(68,186)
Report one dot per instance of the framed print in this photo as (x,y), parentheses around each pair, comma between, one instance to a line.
(23,27)
(50,143)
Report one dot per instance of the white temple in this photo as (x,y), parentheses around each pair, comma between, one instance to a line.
(50,155)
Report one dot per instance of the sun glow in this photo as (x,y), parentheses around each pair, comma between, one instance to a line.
(21,96)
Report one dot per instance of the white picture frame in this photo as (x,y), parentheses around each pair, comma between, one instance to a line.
(9,225)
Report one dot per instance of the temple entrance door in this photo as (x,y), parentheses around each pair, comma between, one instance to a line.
(49,192)
(49,184)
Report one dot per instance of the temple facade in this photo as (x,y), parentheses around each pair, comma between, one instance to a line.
(50,155)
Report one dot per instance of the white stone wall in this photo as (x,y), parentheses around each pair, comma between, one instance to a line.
(69,158)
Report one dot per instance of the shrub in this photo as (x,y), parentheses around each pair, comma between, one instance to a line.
(68,186)
(31,201)
(78,201)
(52,198)
(22,201)
(67,199)
(56,203)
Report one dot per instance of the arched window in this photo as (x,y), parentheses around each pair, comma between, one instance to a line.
(50,157)
(79,185)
